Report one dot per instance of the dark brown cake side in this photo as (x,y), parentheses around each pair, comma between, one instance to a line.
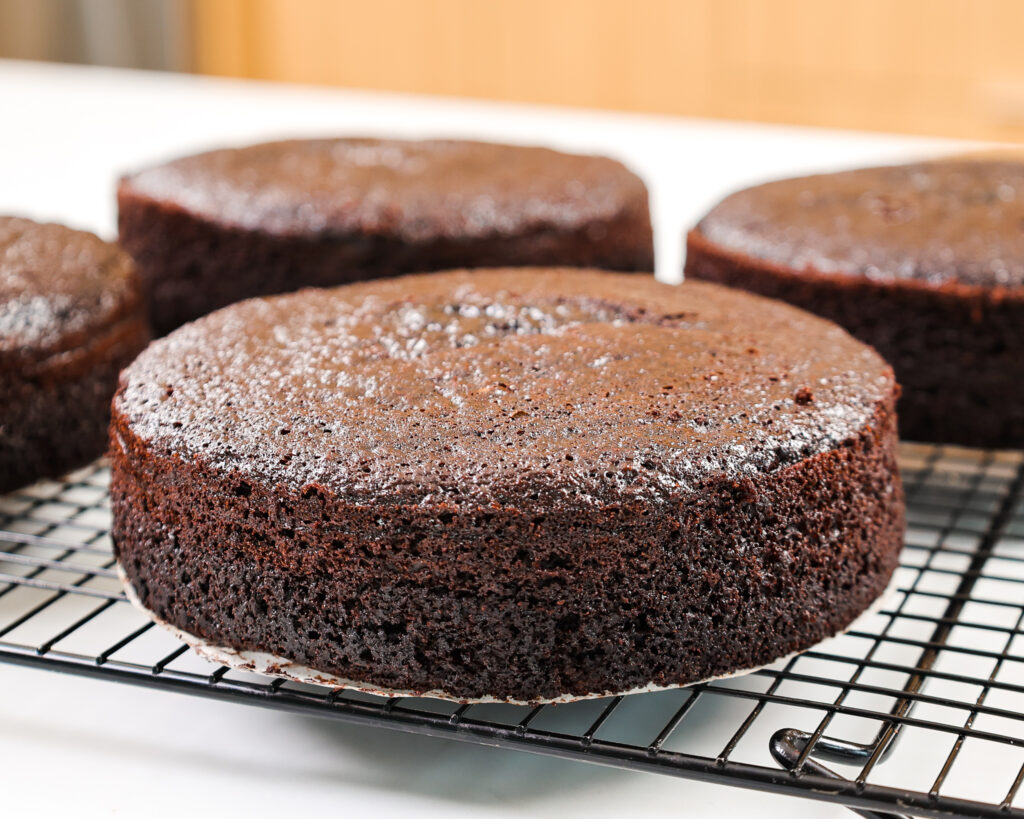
(212,229)
(71,316)
(924,262)
(517,484)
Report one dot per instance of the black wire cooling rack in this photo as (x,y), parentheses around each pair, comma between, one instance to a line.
(919,709)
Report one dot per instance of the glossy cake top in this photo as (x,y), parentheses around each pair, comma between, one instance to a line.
(564,386)
(58,286)
(412,190)
(936,222)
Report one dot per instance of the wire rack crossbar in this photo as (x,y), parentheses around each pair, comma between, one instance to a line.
(908,708)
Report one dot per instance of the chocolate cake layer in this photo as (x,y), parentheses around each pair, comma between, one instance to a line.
(925,262)
(71,316)
(520,484)
(211,229)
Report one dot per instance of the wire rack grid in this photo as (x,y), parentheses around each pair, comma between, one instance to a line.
(917,710)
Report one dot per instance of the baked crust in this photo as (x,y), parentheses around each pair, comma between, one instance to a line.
(215,228)
(71,316)
(472,508)
(924,262)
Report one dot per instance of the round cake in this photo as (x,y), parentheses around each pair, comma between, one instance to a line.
(212,229)
(71,316)
(526,485)
(925,262)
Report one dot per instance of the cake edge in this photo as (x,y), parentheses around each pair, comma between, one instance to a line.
(260,662)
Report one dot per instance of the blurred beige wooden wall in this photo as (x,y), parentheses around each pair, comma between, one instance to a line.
(125,33)
(951,67)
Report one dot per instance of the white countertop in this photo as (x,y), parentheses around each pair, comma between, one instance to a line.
(78,747)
